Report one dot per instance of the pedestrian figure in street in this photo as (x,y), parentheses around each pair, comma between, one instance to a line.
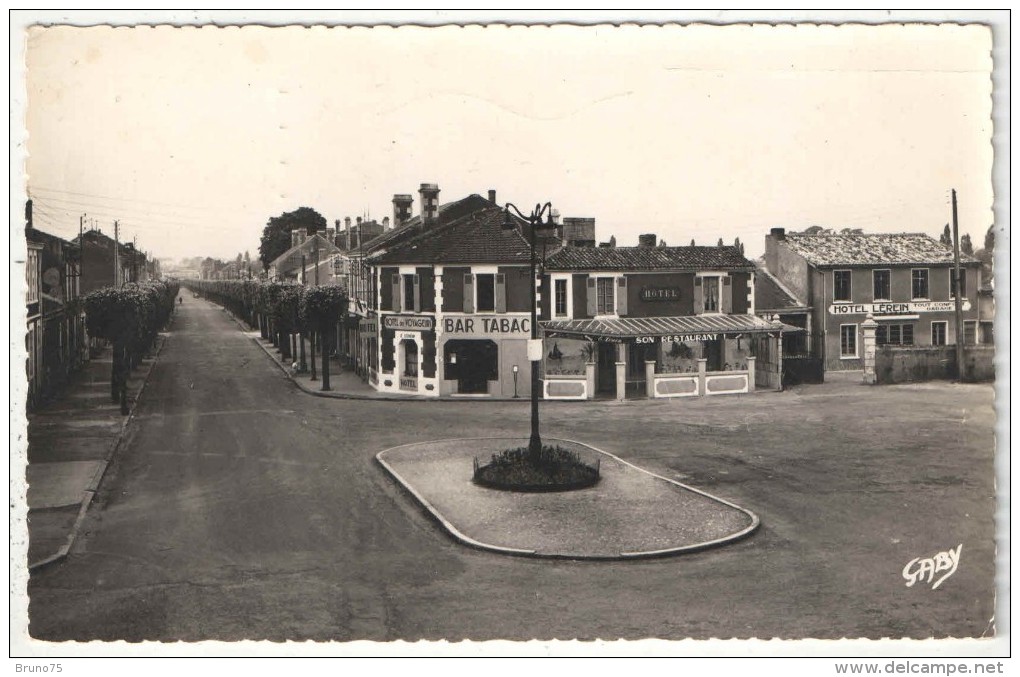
(180,300)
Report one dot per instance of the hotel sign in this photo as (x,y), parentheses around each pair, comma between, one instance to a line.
(660,293)
(888,308)
(409,322)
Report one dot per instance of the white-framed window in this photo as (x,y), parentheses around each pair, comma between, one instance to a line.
(561,297)
(847,341)
(881,282)
(919,284)
(407,293)
(710,293)
(952,283)
(939,332)
(485,293)
(841,285)
(970,334)
(605,288)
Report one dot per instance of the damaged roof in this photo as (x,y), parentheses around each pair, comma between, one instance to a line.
(866,249)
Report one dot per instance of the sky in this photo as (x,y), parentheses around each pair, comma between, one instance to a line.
(194,137)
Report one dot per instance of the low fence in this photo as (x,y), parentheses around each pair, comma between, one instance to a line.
(907,364)
(565,388)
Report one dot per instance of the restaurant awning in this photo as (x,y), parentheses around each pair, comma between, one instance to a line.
(682,328)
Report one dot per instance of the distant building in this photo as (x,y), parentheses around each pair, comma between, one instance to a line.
(105,264)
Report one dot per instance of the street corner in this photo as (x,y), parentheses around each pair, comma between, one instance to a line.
(630,513)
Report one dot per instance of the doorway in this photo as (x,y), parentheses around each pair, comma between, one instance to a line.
(713,355)
(472,364)
(606,368)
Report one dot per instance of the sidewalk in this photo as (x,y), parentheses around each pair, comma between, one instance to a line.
(71,439)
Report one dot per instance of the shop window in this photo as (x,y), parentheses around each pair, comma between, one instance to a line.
(606,303)
(894,335)
(938,333)
(841,285)
(952,284)
(486,285)
(710,294)
(882,284)
(919,283)
(561,298)
(847,340)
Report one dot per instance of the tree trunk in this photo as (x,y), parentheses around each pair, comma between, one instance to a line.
(311,338)
(326,343)
(115,370)
(303,363)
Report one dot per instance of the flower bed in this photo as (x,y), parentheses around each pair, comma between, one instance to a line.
(553,469)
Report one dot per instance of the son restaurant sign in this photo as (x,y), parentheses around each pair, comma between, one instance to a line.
(887,308)
(408,322)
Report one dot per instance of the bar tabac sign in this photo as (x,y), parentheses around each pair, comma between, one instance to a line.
(887,308)
(408,322)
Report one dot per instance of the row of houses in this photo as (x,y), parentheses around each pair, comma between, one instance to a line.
(58,273)
(441,303)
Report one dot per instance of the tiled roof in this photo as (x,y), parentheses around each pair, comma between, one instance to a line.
(477,237)
(291,259)
(771,295)
(648,258)
(857,249)
(446,213)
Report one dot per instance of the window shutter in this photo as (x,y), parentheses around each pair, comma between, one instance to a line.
(500,293)
(621,296)
(417,293)
(395,298)
(699,297)
(469,293)
(726,295)
(592,297)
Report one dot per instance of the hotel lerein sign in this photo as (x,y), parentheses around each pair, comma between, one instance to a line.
(888,308)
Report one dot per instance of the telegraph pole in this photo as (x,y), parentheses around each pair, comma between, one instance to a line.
(116,253)
(303,364)
(81,255)
(960,367)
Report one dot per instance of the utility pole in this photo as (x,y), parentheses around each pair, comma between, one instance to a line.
(81,255)
(116,253)
(960,367)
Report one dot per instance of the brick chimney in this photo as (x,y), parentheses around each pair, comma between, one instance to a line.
(386,223)
(401,209)
(647,240)
(429,193)
(492,195)
(779,233)
(331,234)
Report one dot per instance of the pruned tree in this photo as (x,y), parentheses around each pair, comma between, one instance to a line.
(739,245)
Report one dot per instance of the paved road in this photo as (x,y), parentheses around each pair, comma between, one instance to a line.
(242,508)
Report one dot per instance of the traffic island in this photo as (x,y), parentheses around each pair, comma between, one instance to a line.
(629,513)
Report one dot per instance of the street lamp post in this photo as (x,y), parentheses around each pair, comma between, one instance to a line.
(534,223)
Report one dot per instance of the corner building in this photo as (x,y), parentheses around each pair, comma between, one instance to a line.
(454,302)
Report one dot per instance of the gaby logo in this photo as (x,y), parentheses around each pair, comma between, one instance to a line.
(925,570)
